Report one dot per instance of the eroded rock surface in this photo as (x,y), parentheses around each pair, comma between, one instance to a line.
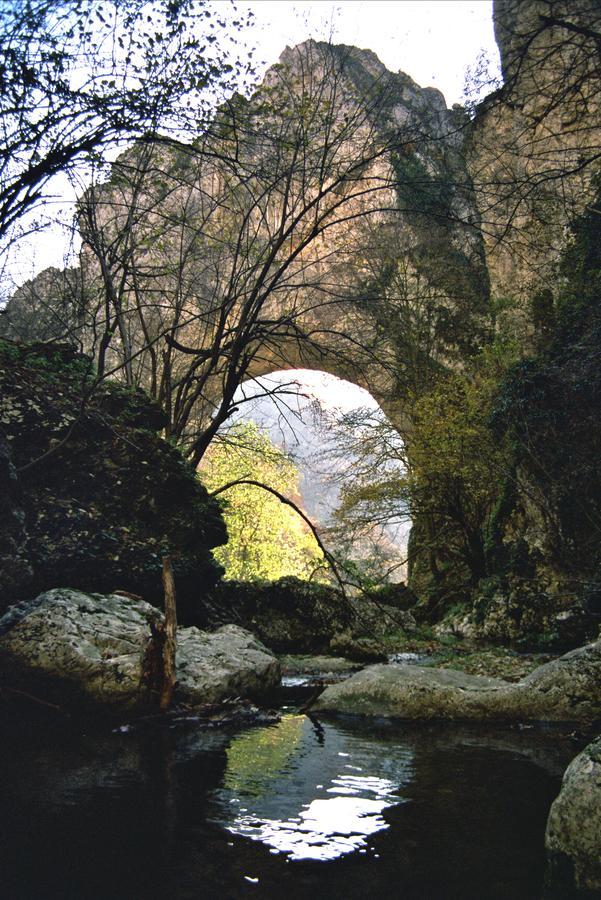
(573,837)
(71,648)
(567,689)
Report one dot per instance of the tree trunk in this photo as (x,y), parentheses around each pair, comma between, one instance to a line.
(169,645)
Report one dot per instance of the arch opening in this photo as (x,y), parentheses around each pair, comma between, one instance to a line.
(348,464)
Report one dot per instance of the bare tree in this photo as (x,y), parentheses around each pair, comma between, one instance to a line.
(236,255)
(79,78)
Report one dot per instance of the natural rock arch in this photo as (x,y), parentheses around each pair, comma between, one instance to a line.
(403,277)
(390,272)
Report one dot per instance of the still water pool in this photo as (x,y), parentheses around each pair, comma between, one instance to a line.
(301,809)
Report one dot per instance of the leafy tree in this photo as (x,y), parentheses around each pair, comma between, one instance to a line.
(455,467)
(444,475)
(267,540)
(364,456)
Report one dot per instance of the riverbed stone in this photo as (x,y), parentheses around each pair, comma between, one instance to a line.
(564,690)
(318,665)
(69,647)
(229,662)
(573,836)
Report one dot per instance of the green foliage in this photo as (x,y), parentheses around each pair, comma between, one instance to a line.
(457,465)
(397,595)
(421,192)
(267,540)
(9,352)
(47,360)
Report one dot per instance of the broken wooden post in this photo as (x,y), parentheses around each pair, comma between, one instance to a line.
(170,635)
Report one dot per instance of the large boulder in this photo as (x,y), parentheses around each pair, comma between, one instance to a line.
(229,662)
(295,616)
(78,649)
(289,615)
(93,497)
(573,837)
(564,690)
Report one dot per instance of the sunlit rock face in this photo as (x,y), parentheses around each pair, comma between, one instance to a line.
(336,201)
(415,208)
(358,220)
(534,145)
(400,264)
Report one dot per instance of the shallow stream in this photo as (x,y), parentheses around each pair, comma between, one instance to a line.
(301,809)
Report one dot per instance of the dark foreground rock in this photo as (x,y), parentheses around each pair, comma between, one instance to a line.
(573,837)
(564,690)
(110,498)
(71,648)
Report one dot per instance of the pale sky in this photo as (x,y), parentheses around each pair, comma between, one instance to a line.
(433,41)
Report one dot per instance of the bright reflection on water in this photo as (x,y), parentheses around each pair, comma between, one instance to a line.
(307,792)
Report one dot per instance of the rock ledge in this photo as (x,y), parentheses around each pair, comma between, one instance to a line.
(564,690)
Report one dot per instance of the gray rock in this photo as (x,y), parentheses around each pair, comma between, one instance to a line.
(229,662)
(573,837)
(70,647)
(410,692)
(564,690)
(361,649)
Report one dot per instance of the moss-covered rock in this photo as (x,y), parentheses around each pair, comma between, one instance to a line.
(93,497)
(288,615)
(295,616)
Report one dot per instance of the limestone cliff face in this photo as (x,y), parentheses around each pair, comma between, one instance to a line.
(348,187)
(534,147)
(433,213)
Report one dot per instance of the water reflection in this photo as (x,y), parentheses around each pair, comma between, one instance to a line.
(305,798)
(397,810)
